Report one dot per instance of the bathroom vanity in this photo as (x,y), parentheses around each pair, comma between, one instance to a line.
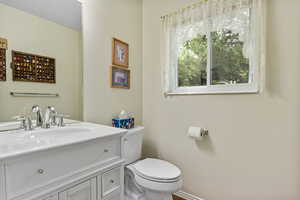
(81,161)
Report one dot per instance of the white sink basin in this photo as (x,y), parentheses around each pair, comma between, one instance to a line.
(68,131)
(16,142)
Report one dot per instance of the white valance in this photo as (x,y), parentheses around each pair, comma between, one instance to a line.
(244,17)
(207,9)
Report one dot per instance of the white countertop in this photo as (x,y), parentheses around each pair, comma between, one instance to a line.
(19,142)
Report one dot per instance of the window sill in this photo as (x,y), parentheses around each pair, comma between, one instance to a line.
(216,90)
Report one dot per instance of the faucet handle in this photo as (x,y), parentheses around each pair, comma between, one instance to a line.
(19,117)
(26,122)
(61,119)
(22,119)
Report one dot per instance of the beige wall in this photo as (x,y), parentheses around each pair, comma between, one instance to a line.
(103,20)
(38,36)
(253,152)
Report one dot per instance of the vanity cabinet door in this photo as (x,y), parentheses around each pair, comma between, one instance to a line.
(84,191)
(54,197)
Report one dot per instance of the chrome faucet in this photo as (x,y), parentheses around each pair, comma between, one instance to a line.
(39,119)
(50,117)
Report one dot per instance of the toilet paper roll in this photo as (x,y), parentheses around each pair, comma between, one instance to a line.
(197,133)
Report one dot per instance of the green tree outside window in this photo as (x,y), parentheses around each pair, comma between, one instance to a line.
(228,64)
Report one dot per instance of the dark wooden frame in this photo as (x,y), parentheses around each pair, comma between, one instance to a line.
(2,64)
(114,42)
(33,75)
(111,77)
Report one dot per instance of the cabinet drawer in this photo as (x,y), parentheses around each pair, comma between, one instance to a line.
(111,182)
(27,173)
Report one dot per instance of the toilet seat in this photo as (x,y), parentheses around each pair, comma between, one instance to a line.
(157,170)
(146,174)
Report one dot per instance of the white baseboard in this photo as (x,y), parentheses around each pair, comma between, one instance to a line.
(187,196)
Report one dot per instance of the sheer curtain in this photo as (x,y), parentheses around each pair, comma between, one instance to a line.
(244,17)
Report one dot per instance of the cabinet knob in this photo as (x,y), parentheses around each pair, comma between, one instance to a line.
(106,150)
(112,181)
(41,171)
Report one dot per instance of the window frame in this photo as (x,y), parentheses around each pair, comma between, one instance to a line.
(240,88)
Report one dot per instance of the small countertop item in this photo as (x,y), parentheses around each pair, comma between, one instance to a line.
(123,115)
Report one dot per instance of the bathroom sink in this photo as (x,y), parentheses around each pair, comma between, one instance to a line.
(16,142)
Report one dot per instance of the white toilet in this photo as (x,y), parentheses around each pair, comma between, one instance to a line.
(148,179)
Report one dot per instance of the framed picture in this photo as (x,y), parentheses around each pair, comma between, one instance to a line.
(120,53)
(120,77)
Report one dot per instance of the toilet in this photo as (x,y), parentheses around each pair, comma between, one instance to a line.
(147,179)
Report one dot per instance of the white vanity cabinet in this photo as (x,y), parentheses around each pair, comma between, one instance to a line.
(91,169)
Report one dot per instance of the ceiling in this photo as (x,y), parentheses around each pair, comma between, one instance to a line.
(64,12)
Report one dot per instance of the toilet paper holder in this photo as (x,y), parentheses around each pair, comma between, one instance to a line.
(197,133)
(204,132)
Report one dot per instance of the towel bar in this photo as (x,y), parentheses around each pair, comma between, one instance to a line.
(33,94)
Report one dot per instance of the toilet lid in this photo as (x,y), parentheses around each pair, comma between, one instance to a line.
(154,169)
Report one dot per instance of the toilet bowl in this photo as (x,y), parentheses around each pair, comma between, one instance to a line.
(148,179)
(152,179)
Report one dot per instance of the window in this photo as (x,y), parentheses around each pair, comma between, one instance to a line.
(217,53)
(227,64)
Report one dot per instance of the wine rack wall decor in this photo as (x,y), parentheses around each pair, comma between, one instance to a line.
(2,64)
(33,68)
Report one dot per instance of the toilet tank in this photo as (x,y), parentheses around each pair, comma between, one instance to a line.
(132,145)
